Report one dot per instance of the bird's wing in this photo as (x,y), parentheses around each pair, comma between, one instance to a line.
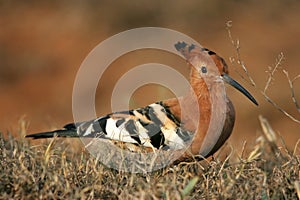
(153,126)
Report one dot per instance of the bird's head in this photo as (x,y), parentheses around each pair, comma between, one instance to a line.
(208,68)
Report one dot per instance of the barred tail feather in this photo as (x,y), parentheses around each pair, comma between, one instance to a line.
(68,131)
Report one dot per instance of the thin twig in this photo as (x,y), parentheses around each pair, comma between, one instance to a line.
(272,71)
(291,83)
(237,48)
(279,108)
(279,61)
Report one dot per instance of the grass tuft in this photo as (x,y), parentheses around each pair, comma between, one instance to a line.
(52,171)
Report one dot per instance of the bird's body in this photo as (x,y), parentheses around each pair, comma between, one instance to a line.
(198,123)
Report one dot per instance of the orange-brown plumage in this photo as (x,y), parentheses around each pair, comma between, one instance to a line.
(204,89)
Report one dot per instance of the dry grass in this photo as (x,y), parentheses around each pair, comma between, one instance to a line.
(51,171)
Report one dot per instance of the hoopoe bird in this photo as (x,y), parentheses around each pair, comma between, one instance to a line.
(205,125)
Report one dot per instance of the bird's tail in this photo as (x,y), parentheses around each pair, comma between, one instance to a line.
(68,131)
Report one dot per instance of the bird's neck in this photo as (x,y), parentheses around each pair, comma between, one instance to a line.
(202,111)
(212,105)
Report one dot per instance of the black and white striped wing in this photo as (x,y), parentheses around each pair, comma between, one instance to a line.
(153,126)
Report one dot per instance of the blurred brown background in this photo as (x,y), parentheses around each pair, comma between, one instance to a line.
(42,45)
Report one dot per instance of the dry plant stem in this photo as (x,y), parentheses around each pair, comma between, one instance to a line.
(272,71)
(295,151)
(226,160)
(237,48)
(270,78)
(48,150)
(267,130)
(278,63)
(291,83)
(297,187)
(270,137)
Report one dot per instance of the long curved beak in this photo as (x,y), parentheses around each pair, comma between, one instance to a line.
(240,88)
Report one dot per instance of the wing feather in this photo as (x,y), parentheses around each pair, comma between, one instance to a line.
(153,126)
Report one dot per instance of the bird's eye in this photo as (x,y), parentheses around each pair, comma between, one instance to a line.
(203,69)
